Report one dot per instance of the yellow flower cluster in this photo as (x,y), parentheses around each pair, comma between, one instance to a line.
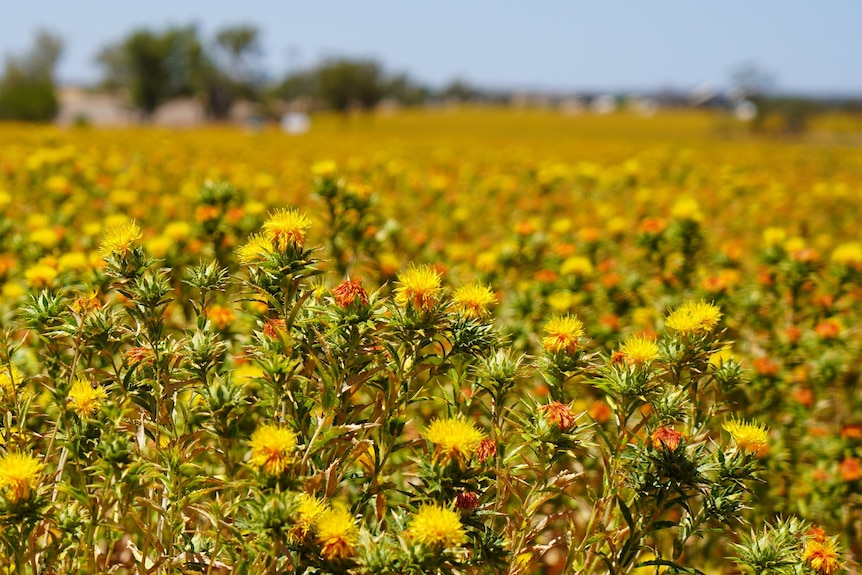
(693,318)
(272,449)
(454,437)
(750,437)
(419,287)
(436,526)
(19,476)
(563,335)
(86,398)
(119,239)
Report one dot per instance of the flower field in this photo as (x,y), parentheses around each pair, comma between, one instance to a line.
(480,341)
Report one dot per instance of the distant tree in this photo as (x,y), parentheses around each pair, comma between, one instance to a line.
(751,81)
(460,90)
(27,89)
(403,89)
(232,70)
(344,83)
(241,45)
(297,85)
(156,66)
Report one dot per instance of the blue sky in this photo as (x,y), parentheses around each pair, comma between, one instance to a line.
(807,46)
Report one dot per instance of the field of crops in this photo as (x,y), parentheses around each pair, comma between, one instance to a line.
(473,341)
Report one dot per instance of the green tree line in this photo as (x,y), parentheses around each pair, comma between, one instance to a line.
(151,66)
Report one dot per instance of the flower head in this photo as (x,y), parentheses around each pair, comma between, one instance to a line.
(85,398)
(486,449)
(749,437)
(559,414)
(286,229)
(272,448)
(348,291)
(473,300)
(848,255)
(140,355)
(324,168)
(309,510)
(433,525)
(337,533)
(419,287)
(11,379)
(453,437)
(466,501)
(255,250)
(563,334)
(40,275)
(850,469)
(693,317)
(822,555)
(220,316)
(119,239)
(666,437)
(639,350)
(19,475)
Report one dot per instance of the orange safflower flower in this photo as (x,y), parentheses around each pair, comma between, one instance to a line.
(348,291)
(559,414)
(850,469)
(666,437)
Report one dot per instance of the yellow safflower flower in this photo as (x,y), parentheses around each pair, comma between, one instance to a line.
(453,437)
(433,526)
(419,287)
(473,300)
(639,350)
(86,398)
(19,476)
(286,228)
(324,169)
(119,239)
(255,250)
(563,334)
(11,378)
(272,449)
(309,510)
(693,317)
(40,276)
(750,437)
(337,533)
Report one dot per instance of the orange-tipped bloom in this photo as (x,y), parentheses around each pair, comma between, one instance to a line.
(466,501)
(419,287)
(822,555)
(850,469)
(272,449)
(349,291)
(559,414)
(563,335)
(667,437)
(486,450)
(433,526)
(286,229)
